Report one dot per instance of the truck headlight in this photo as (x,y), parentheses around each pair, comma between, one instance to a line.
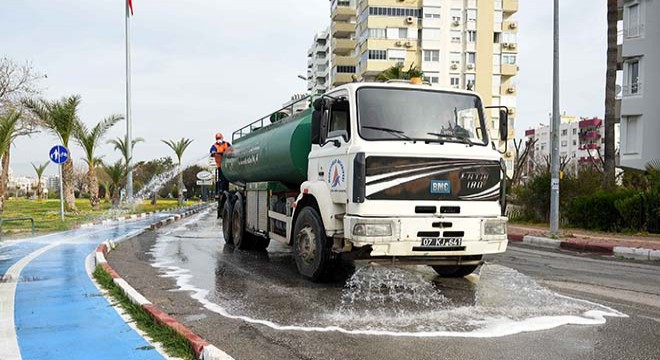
(379,229)
(495,227)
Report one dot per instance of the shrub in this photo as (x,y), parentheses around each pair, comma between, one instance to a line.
(597,211)
(632,211)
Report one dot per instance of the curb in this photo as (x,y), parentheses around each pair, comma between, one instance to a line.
(126,218)
(202,349)
(582,245)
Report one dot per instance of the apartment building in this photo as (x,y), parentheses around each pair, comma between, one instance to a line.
(580,144)
(343,44)
(640,62)
(318,64)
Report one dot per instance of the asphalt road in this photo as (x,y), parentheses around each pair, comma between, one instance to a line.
(255,306)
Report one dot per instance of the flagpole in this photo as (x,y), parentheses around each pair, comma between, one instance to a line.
(129,130)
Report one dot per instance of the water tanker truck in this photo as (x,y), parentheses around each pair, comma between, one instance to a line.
(395,173)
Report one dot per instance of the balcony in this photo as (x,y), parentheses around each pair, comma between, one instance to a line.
(595,122)
(590,135)
(633,89)
(530,132)
(592,146)
(509,6)
(342,78)
(343,46)
(509,69)
(343,11)
(338,60)
(342,29)
(634,31)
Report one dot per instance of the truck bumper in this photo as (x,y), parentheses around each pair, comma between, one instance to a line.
(406,236)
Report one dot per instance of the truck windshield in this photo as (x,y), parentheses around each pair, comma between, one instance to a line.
(420,115)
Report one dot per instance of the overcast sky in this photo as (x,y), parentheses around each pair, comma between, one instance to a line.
(203,66)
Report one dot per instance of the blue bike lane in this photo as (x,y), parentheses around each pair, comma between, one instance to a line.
(58,311)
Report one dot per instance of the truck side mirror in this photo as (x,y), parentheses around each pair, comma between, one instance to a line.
(318,104)
(316,125)
(504,125)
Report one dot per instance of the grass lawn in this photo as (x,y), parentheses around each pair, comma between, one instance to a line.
(46,214)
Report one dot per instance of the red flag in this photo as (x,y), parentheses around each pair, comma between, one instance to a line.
(130,6)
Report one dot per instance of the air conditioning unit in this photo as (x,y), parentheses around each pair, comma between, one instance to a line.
(470,66)
(409,44)
(456,23)
(454,66)
(513,46)
(509,154)
(511,90)
(410,20)
(505,45)
(513,25)
(399,43)
(512,111)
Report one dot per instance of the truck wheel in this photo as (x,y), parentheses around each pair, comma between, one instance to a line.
(242,239)
(311,249)
(227,210)
(454,271)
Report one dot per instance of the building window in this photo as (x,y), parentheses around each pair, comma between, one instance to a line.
(345,69)
(470,81)
(377,54)
(509,38)
(634,27)
(377,33)
(574,141)
(455,36)
(574,131)
(431,34)
(497,83)
(432,13)
(471,15)
(456,16)
(471,36)
(509,59)
(396,54)
(564,143)
(455,82)
(390,11)
(455,58)
(470,58)
(432,79)
(432,55)
(633,85)
(403,33)
(564,132)
(632,131)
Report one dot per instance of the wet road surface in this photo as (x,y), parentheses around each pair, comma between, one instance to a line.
(522,304)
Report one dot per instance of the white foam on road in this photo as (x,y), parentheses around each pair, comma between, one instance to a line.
(507,302)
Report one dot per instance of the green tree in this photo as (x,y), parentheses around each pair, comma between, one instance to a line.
(179,147)
(60,117)
(39,169)
(116,174)
(120,144)
(89,140)
(397,72)
(8,125)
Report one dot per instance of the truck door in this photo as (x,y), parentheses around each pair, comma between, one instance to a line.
(332,157)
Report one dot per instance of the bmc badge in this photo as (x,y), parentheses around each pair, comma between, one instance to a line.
(337,175)
(440,187)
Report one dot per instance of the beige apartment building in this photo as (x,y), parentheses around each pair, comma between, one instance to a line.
(465,44)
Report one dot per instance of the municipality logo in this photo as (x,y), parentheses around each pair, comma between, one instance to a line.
(337,174)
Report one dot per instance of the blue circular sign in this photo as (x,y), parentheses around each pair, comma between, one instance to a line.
(59,154)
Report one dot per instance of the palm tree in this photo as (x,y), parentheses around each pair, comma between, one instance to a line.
(60,117)
(396,72)
(8,128)
(120,144)
(116,173)
(610,93)
(39,169)
(89,140)
(179,147)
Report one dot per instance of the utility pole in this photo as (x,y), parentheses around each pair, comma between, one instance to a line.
(129,128)
(554,157)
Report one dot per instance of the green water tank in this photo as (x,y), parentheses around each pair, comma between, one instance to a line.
(276,152)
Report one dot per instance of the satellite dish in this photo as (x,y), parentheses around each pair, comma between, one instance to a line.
(618,89)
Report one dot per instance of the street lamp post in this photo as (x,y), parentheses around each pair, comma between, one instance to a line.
(554,157)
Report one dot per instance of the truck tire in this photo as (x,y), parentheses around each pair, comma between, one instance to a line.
(227,210)
(311,249)
(241,239)
(454,271)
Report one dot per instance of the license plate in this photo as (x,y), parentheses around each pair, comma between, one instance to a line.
(442,242)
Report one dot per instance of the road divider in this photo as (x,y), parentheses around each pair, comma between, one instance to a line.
(202,349)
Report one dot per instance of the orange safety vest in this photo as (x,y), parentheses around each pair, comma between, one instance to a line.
(219,151)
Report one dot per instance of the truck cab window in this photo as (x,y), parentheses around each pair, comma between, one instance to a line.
(339,124)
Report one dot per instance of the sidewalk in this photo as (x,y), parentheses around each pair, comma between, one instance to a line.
(626,246)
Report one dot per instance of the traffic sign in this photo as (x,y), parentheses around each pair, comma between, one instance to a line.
(204,182)
(58,154)
(204,175)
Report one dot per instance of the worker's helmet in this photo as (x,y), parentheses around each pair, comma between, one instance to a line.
(219,136)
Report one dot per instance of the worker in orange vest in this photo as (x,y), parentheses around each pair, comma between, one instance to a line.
(217,150)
